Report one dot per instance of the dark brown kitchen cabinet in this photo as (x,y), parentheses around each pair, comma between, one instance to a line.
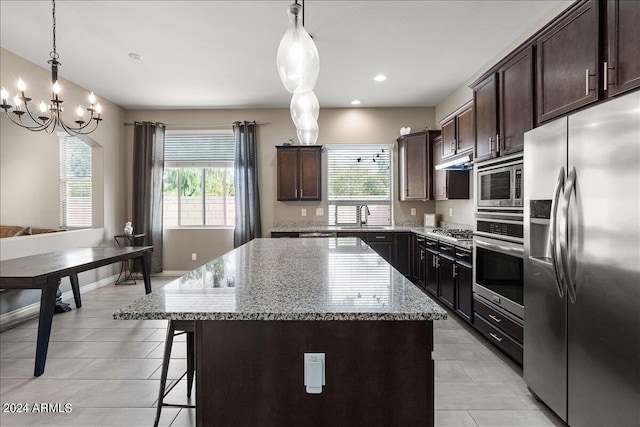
(402,253)
(431,267)
(417,258)
(414,174)
(299,172)
(457,131)
(464,284)
(448,184)
(567,67)
(504,107)
(622,67)
(447,280)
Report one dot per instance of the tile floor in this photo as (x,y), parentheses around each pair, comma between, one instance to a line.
(108,371)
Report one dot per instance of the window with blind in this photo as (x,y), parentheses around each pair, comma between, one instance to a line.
(198,179)
(75,183)
(359,185)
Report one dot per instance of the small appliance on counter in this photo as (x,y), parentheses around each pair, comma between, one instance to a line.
(431,220)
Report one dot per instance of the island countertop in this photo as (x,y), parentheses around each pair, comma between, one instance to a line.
(290,279)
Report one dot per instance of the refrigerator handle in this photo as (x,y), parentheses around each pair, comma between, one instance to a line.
(553,230)
(564,243)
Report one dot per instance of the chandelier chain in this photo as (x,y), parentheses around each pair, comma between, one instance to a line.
(54,53)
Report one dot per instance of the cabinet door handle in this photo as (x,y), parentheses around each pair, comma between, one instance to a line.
(605,76)
(455,272)
(496,319)
(586,81)
(460,255)
(296,193)
(301,193)
(495,337)
(380,237)
(498,143)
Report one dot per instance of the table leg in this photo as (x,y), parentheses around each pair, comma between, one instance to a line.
(75,287)
(146,271)
(47,306)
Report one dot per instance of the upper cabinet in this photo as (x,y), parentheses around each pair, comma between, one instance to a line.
(567,62)
(457,131)
(622,67)
(504,107)
(299,173)
(415,163)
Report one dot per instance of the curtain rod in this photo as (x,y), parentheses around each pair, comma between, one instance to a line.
(204,126)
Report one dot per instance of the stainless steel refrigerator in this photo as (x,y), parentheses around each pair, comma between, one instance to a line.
(582,264)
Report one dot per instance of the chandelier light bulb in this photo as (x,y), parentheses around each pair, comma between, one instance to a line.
(43,107)
(4,95)
(56,88)
(98,108)
(17,101)
(92,98)
(79,111)
(21,85)
(305,108)
(297,59)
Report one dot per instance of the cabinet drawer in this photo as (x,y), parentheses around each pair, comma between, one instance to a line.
(463,256)
(447,250)
(380,237)
(431,244)
(498,319)
(499,338)
(284,234)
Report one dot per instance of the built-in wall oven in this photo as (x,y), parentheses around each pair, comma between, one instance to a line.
(498,237)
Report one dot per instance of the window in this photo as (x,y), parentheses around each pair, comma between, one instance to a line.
(198,179)
(75,183)
(359,185)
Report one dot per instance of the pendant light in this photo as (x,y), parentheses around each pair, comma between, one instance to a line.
(298,65)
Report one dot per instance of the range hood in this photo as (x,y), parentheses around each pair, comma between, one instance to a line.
(459,162)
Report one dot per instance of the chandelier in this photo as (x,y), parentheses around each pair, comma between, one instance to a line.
(50,115)
(298,66)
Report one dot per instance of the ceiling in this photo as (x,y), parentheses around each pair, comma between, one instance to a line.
(222,54)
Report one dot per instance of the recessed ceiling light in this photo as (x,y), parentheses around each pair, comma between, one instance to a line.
(356,102)
(380,78)
(135,56)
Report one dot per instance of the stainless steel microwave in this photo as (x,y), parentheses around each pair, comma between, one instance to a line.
(499,183)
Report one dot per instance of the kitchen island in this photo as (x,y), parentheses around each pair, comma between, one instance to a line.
(260,307)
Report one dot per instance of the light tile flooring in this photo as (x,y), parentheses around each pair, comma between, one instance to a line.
(108,371)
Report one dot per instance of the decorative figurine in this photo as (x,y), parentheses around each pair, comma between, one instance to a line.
(128,228)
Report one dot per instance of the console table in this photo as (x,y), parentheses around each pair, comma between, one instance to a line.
(44,272)
(126,271)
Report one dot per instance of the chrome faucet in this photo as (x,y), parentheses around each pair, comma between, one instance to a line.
(367,212)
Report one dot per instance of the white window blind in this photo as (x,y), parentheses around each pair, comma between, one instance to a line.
(75,183)
(199,148)
(359,184)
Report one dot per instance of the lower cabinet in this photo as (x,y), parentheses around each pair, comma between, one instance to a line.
(401,252)
(284,234)
(432,267)
(499,328)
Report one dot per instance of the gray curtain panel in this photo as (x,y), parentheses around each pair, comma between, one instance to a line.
(247,198)
(148,170)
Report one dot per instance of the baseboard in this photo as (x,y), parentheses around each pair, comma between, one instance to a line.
(172,273)
(15,317)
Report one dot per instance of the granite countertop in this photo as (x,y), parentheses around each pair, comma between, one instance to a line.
(290,279)
(424,231)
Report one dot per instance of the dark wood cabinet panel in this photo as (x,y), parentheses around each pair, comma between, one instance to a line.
(447,282)
(567,63)
(448,139)
(515,102)
(439,176)
(431,268)
(466,136)
(287,174)
(623,37)
(415,175)
(485,97)
(402,253)
(310,173)
(284,234)
(464,292)
(299,173)
(383,249)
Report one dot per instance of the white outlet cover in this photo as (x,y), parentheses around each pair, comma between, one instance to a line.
(413,211)
(304,212)
(319,212)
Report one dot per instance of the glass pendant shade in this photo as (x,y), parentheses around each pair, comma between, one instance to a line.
(297,59)
(304,109)
(308,136)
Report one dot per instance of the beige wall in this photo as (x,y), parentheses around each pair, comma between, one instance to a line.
(29,173)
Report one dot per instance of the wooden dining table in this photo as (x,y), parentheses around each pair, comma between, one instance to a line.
(44,272)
